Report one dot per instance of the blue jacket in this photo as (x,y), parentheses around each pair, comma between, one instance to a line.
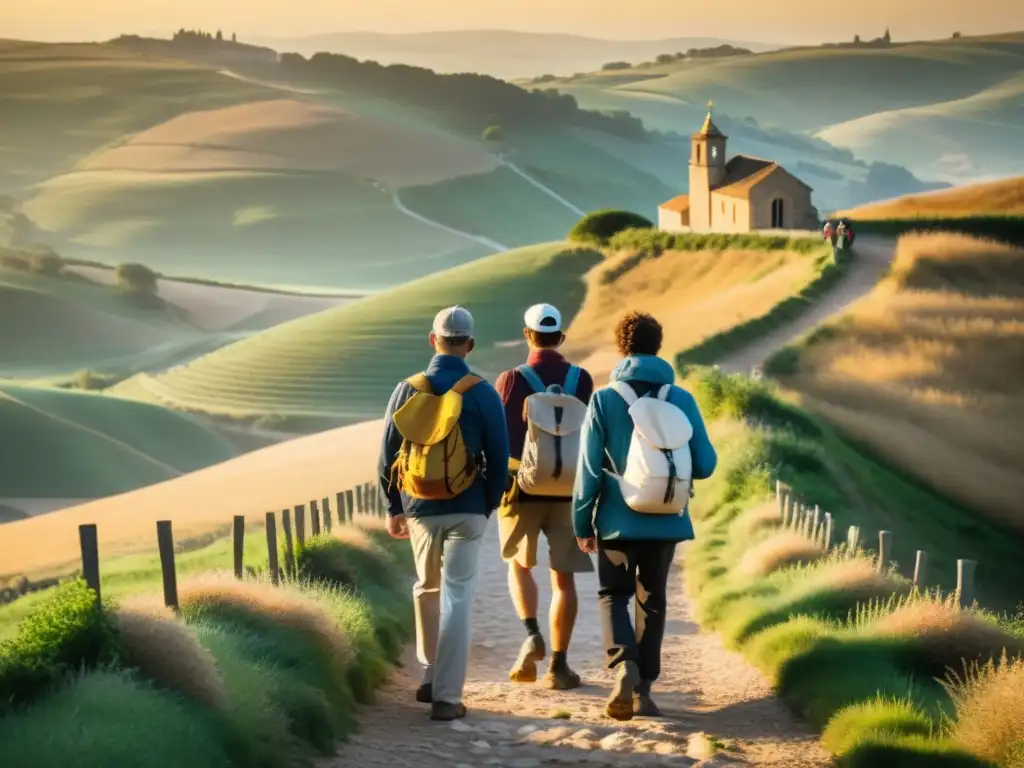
(483,430)
(598,506)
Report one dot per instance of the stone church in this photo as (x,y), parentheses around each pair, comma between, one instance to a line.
(741,194)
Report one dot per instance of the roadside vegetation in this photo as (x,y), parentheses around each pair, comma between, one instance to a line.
(249,674)
(877,666)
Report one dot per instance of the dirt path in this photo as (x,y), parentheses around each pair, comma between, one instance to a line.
(704,689)
(874,254)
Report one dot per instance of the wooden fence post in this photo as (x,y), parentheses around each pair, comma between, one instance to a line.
(289,546)
(359,499)
(339,505)
(884,550)
(314,517)
(853,538)
(965,582)
(300,524)
(350,504)
(828,531)
(780,498)
(920,568)
(88,538)
(325,508)
(275,574)
(239,540)
(816,524)
(165,541)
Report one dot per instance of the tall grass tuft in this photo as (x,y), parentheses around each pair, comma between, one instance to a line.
(780,550)
(989,701)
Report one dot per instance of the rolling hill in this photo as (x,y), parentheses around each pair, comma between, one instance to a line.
(1004,197)
(961,98)
(64,444)
(926,370)
(502,53)
(342,364)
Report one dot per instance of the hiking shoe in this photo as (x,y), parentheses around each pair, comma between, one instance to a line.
(525,668)
(443,710)
(620,703)
(562,679)
(644,706)
(425,693)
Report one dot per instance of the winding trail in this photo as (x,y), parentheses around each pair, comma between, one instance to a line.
(484,241)
(542,187)
(703,688)
(874,255)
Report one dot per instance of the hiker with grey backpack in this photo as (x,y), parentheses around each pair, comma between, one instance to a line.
(643,444)
(545,404)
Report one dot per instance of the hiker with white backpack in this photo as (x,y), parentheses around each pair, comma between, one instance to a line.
(443,467)
(643,444)
(545,404)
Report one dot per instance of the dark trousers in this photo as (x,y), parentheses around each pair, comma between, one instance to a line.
(639,569)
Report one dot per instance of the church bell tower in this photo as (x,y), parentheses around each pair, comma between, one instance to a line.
(707,171)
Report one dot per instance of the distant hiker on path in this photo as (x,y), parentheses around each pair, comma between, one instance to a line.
(545,404)
(643,443)
(444,467)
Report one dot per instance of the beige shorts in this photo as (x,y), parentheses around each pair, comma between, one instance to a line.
(520,525)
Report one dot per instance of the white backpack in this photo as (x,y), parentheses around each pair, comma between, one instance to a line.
(554,417)
(659,469)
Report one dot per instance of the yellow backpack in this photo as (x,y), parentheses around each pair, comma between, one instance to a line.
(433,462)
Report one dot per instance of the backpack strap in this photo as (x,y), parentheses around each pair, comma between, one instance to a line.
(531,378)
(466,383)
(420,383)
(572,380)
(663,393)
(625,392)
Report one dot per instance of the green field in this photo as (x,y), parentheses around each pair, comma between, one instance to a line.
(62,102)
(66,444)
(344,363)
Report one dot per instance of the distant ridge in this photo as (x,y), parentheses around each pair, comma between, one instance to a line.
(500,53)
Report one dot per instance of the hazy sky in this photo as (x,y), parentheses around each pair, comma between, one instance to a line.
(794,21)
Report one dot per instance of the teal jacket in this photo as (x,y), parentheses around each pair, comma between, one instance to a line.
(598,507)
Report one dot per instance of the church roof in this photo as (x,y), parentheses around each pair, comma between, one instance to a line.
(743,173)
(709,128)
(678,204)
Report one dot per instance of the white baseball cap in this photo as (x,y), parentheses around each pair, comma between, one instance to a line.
(543,318)
(453,323)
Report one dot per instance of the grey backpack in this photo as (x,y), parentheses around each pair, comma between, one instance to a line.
(554,417)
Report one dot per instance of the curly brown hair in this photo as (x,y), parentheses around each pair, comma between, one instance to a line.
(638,333)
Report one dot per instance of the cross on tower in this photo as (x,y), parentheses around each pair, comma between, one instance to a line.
(710,105)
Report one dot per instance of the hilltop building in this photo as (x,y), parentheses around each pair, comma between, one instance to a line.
(741,194)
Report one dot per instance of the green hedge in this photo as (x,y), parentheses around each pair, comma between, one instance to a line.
(284,695)
(1007,229)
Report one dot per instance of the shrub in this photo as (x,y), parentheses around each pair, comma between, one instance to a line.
(989,702)
(136,279)
(92,380)
(868,720)
(166,651)
(782,549)
(600,227)
(614,66)
(66,632)
(46,262)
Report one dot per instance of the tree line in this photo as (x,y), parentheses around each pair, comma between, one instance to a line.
(474,101)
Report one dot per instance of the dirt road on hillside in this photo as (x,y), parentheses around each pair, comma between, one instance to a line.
(704,688)
(874,255)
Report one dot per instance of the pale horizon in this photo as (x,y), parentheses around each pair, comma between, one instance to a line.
(793,22)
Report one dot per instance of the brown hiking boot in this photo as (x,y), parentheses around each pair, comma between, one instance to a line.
(525,668)
(644,706)
(561,679)
(443,710)
(425,693)
(620,703)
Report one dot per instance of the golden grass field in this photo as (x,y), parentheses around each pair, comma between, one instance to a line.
(927,370)
(199,503)
(695,294)
(1004,197)
(292,135)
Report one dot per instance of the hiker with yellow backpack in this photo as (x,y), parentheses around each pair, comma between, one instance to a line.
(545,404)
(443,468)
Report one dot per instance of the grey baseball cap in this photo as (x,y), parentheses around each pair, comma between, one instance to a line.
(453,322)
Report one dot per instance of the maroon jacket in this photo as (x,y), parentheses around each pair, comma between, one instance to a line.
(513,389)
